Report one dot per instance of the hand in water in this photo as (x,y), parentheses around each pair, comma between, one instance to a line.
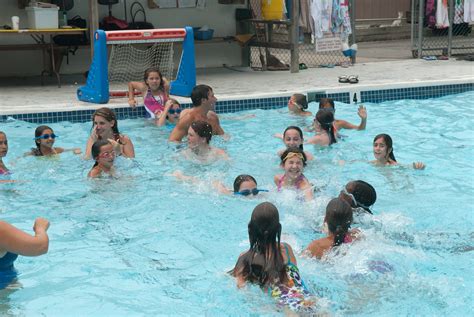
(362,112)
(419,165)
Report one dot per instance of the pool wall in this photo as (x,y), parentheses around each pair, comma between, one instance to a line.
(352,95)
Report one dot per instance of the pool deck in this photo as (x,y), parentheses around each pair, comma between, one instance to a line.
(395,70)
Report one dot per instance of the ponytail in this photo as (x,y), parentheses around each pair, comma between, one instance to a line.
(339,235)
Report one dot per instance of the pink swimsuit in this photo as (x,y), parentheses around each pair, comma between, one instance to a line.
(154,103)
(297,183)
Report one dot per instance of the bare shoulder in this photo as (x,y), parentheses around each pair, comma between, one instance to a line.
(277,178)
(211,115)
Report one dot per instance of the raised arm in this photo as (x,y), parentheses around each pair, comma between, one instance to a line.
(362,112)
(216,125)
(17,241)
(181,129)
(161,121)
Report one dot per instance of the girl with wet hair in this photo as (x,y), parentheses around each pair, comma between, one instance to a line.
(199,137)
(383,152)
(328,103)
(104,155)
(293,161)
(105,127)
(3,152)
(297,104)
(44,140)
(270,263)
(293,137)
(359,195)
(323,126)
(338,220)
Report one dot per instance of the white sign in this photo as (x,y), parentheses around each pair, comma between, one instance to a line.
(330,42)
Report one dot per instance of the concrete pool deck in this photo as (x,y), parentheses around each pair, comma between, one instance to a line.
(395,69)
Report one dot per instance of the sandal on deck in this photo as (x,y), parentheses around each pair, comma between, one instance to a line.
(344,79)
(353,79)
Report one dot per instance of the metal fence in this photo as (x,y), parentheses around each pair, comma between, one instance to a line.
(280,34)
(428,38)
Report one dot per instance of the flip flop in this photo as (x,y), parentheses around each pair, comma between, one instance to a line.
(343,79)
(353,79)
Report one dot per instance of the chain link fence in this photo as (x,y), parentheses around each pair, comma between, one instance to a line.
(440,33)
(278,33)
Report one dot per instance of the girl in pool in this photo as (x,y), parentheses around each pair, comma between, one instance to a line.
(359,195)
(104,127)
(383,152)
(293,137)
(293,161)
(44,140)
(170,113)
(244,185)
(327,103)
(104,155)
(323,126)
(272,264)
(298,104)
(199,136)
(338,220)
(3,152)
(155,90)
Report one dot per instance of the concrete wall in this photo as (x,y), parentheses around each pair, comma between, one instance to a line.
(217,16)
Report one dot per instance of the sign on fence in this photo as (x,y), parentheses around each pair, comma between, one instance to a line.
(330,42)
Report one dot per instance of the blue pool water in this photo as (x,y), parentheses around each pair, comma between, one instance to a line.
(146,244)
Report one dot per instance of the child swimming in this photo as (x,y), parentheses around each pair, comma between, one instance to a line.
(44,140)
(3,152)
(293,161)
(154,89)
(383,152)
(271,264)
(297,104)
(199,137)
(104,155)
(170,113)
(338,220)
(293,137)
(323,126)
(328,103)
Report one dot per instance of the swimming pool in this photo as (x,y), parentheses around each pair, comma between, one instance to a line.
(146,244)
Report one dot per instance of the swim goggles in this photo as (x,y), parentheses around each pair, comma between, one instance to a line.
(247,192)
(173,111)
(106,154)
(46,136)
(355,204)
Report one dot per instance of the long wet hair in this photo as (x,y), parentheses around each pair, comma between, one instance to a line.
(243,178)
(388,142)
(263,263)
(301,100)
(326,120)
(38,132)
(339,219)
(293,127)
(95,150)
(203,129)
(150,70)
(109,115)
(292,150)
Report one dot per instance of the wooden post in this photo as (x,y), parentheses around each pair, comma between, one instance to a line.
(294,36)
(93,22)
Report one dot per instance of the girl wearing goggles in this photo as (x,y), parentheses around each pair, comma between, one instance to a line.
(104,155)
(44,140)
(170,114)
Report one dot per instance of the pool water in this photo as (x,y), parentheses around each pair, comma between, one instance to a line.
(147,244)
